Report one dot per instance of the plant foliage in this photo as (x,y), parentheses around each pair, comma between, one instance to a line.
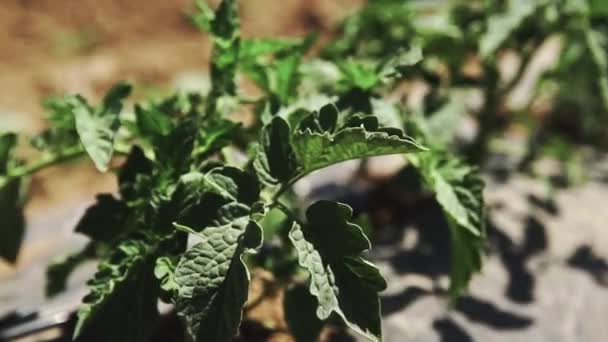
(198,191)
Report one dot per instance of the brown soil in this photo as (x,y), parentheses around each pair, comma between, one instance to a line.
(57,46)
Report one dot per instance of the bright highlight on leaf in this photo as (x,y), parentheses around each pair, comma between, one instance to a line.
(97,128)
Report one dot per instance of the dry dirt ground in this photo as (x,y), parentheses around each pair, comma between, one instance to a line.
(50,47)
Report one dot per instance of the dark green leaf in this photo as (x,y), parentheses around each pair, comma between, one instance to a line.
(13,221)
(599,56)
(401,60)
(212,280)
(253,49)
(203,17)
(60,269)
(329,247)
(122,301)
(215,135)
(152,123)
(275,160)
(8,141)
(165,272)
(359,74)
(104,221)
(318,150)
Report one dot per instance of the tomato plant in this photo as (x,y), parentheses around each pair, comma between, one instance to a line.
(197,187)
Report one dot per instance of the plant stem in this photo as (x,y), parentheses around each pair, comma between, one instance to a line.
(53,159)
(47,161)
(290,214)
(284,187)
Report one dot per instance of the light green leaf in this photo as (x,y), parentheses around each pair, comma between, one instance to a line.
(8,141)
(225,31)
(212,279)
(329,246)
(598,7)
(502,25)
(300,312)
(164,270)
(58,272)
(599,56)
(105,220)
(97,129)
(400,60)
(318,150)
(215,135)
(459,190)
(12,227)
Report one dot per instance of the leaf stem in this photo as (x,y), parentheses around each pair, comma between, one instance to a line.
(284,187)
(290,214)
(47,161)
(53,159)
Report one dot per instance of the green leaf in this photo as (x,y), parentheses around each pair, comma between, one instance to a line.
(329,246)
(254,49)
(278,75)
(104,221)
(97,129)
(122,301)
(212,279)
(225,30)
(599,8)
(230,183)
(215,135)
(275,159)
(359,74)
(12,227)
(501,26)
(459,190)
(8,141)
(60,269)
(62,131)
(203,17)
(402,59)
(599,56)
(300,307)
(314,145)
